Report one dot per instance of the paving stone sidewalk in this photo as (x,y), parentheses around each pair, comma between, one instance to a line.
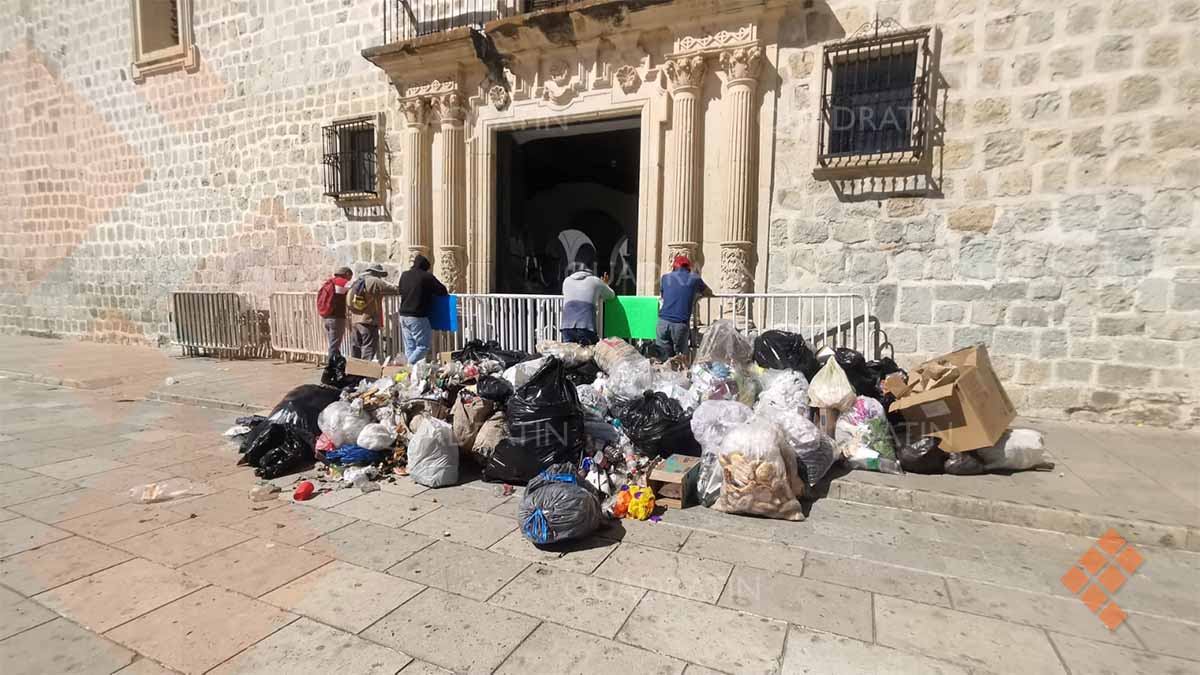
(1144,481)
(424,581)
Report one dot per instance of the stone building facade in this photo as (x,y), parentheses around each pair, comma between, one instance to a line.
(1056,219)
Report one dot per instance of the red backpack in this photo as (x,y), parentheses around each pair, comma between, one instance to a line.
(325,299)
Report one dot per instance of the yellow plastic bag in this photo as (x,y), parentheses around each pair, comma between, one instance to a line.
(642,504)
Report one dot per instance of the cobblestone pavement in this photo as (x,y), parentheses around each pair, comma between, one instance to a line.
(414,580)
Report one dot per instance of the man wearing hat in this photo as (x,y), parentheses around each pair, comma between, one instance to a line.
(366,310)
(331,305)
(679,290)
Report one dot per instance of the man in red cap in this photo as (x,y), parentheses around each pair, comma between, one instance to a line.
(679,290)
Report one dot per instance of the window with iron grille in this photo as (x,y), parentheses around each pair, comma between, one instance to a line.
(351,158)
(877,103)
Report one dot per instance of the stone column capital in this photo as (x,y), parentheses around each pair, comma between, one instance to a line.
(416,110)
(742,65)
(686,73)
(451,107)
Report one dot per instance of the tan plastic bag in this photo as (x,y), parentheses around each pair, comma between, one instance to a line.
(831,389)
(469,418)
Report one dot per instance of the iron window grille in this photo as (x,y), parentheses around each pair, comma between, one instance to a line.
(878,96)
(351,161)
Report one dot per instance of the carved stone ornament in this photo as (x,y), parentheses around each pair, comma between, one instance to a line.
(719,40)
(742,63)
(416,110)
(560,72)
(735,268)
(450,107)
(448,270)
(499,97)
(430,88)
(628,78)
(686,72)
(689,250)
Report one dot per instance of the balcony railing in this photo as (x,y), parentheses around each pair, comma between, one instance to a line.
(408,19)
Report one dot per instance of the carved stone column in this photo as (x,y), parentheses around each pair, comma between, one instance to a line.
(414,148)
(450,192)
(742,67)
(686,75)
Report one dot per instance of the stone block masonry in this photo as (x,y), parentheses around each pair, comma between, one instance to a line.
(1062,227)
(1066,230)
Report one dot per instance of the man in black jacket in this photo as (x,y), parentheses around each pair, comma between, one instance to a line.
(418,288)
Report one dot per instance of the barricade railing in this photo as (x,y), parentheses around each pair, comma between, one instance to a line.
(218,324)
(521,321)
(824,319)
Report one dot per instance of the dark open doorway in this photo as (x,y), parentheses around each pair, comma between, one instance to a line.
(567,198)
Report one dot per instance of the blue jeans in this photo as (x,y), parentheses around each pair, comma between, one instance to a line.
(673,338)
(581,336)
(418,337)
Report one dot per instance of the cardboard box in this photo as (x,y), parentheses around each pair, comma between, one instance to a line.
(676,475)
(364,368)
(969,411)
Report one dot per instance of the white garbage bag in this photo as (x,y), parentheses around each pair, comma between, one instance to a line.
(433,454)
(831,388)
(378,437)
(1017,450)
(342,423)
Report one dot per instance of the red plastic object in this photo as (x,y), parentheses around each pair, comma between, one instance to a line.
(304,492)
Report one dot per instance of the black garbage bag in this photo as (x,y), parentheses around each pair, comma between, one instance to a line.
(556,507)
(293,453)
(286,445)
(923,456)
(478,350)
(855,366)
(583,373)
(303,405)
(544,416)
(250,421)
(495,389)
(657,425)
(963,464)
(516,464)
(781,350)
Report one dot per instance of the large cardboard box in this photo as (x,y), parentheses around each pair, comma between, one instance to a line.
(363,368)
(968,410)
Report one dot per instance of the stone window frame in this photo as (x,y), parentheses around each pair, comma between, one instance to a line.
(356,199)
(182,56)
(918,158)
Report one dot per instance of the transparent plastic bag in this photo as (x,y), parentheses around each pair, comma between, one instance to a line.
(722,342)
(630,378)
(569,353)
(1017,450)
(609,351)
(433,455)
(377,437)
(865,425)
(593,403)
(783,389)
(342,423)
(831,389)
(814,450)
(152,493)
(710,424)
(760,475)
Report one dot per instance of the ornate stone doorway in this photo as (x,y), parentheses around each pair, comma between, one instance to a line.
(567,199)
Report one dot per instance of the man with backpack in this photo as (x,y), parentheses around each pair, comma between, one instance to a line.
(366,311)
(331,305)
(418,288)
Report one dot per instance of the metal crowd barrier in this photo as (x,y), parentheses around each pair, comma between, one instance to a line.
(824,319)
(218,324)
(521,321)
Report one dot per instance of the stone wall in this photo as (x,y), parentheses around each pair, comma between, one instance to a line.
(1066,234)
(114,194)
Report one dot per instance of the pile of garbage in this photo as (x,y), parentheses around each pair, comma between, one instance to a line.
(748,427)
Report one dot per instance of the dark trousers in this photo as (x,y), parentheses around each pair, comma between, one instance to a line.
(365,341)
(581,336)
